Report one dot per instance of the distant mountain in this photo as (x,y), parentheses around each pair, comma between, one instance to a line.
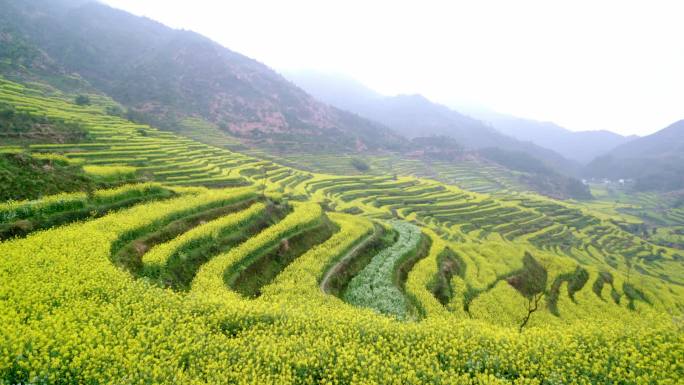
(335,89)
(582,146)
(668,142)
(416,116)
(655,161)
(164,75)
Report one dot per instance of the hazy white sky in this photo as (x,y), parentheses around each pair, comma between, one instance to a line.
(599,64)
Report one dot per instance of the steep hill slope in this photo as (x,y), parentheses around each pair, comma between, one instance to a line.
(181,81)
(164,75)
(656,161)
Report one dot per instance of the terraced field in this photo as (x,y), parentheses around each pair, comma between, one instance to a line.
(656,217)
(469,174)
(227,268)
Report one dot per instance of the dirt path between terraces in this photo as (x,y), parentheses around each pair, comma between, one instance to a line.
(342,263)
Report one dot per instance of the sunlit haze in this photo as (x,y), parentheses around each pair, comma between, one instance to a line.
(586,65)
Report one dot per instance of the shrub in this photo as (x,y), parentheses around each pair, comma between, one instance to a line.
(82,100)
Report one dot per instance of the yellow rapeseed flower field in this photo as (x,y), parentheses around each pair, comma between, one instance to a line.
(71,316)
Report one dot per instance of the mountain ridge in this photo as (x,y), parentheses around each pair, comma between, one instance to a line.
(168,74)
(654,162)
(581,146)
(415,115)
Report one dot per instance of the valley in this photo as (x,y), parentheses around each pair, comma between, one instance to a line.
(221,249)
(175,212)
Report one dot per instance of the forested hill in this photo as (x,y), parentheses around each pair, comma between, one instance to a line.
(164,75)
(655,162)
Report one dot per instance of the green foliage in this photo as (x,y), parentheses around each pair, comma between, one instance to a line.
(82,100)
(450,265)
(668,178)
(359,164)
(188,75)
(541,177)
(24,177)
(603,278)
(634,294)
(659,173)
(575,282)
(337,280)
(654,162)
(250,281)
(15,52)
(532,279)
(115,111)
(23,127)
(516,160)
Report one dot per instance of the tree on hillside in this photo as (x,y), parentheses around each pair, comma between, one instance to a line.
(531,283)
(82,100)
(531,306)
(360,165)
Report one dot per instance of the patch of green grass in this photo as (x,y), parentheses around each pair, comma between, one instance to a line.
(378,285)
(266,267)
(182,267)
(129,254)
(339,281)
(24,177)
(20,127)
